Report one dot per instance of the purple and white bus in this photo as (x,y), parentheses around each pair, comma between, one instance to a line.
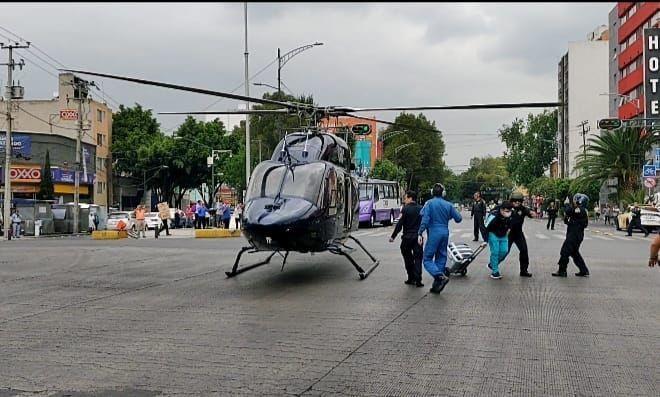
(380,201)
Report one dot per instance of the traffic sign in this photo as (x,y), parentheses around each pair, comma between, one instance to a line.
(649,182)
(361,129)
(649,171)
(609,124)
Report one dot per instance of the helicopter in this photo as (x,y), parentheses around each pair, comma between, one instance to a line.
(305,197)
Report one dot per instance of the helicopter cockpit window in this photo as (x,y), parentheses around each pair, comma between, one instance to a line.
(296,147)
(303,181)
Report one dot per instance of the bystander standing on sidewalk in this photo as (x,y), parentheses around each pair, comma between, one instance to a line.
(15,223)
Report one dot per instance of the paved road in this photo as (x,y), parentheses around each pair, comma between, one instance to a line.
(149,317)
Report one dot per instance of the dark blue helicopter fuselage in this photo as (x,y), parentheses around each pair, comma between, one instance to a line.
(303,205)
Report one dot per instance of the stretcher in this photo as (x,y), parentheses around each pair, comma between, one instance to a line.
(461,255)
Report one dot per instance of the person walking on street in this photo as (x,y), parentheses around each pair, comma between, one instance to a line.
(436,215)
(516,235)
(606,214)
(498,225)
(15,223)
(477,212)
(140,213)
(636,221)
(164,215)
(90,222)
(411,251)
(576,218)
(552,215)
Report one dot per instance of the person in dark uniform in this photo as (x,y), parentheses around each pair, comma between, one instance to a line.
(516,235)
(410,249)
(477,212)
(636,221)
(552,215)
(576,218)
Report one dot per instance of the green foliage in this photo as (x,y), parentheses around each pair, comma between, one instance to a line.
(422,161)
(488,175)
(617,154)
(531,145)
(385,169)
(132,128)
(46,187)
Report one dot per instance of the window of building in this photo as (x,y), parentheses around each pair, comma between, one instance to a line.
(624,45)
(99,187)
(100,138)
(99,115)
(632,11)
(624,18)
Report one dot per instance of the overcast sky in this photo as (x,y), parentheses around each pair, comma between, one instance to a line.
(373,55)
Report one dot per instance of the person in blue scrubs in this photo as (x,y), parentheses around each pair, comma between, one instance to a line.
(436,215)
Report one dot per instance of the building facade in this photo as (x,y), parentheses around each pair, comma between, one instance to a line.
(368,148)
(582,80)
(630,21)
(52,126)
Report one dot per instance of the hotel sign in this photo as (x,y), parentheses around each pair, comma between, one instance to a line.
(652,72)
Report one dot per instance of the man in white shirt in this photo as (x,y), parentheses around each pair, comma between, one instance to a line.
(16,223)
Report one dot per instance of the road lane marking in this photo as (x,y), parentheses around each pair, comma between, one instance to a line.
(379,234)
(542,236)
(467,235)
(603,238)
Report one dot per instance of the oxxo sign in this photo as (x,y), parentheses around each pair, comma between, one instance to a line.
(68,114)
(25,174)
(652,71)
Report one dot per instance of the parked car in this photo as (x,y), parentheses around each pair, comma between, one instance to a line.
(152,219)
(650,218)
(127,216)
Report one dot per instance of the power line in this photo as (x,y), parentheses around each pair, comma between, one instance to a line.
(47,62)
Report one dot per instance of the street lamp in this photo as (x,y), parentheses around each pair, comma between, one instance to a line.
(628,99)
(283,59)
(264,84)
(396,150)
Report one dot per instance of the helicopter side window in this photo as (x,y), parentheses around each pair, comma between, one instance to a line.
(331,183)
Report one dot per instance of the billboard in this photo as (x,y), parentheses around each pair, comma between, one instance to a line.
(20,144)
(652,72)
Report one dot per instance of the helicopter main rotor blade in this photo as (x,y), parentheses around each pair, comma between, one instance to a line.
(252,111)
(193,89)
(454,107)
(412,127)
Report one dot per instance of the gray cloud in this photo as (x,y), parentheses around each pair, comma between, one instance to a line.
(374,54)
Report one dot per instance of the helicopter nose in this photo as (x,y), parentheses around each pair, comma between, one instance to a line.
(288,211)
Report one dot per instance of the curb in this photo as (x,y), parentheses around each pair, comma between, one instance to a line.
(216,233)
(109,234)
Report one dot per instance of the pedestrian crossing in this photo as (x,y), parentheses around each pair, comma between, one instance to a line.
(465,235)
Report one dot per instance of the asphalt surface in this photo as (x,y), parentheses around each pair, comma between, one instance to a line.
(158,317)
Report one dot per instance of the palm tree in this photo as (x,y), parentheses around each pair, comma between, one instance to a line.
(617,154)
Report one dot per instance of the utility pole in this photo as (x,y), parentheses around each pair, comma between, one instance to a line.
(279,69)
(12,91)
(585,129)
(247,104)
(82,87)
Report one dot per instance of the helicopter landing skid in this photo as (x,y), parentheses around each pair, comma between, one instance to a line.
(251,250)
(346,252)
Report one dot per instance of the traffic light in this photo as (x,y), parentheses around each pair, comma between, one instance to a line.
(361,129)
(609,124)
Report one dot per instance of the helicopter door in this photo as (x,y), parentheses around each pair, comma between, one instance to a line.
(348,201)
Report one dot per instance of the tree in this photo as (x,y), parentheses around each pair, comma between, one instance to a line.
(46,188)
(422,158)
(385,169)
(488,175)
(617,154)
(132,128)
(531,145)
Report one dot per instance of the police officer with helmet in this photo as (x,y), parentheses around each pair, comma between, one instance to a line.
(436,215)
(576,218)
(516,235)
